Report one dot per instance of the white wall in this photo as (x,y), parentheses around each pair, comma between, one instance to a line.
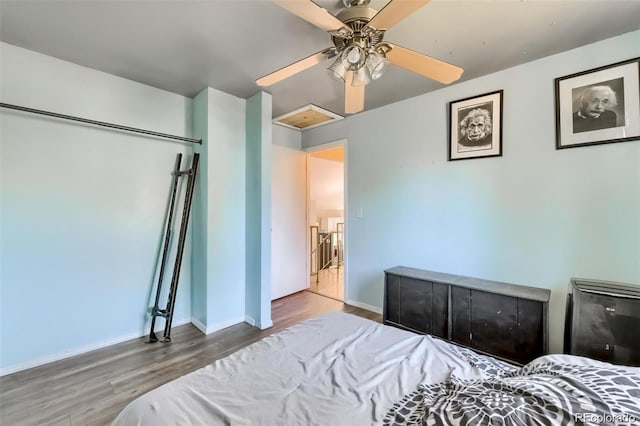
(535,216)
(82,209)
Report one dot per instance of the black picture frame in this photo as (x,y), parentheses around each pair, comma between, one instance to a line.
(598,106)
(475,127)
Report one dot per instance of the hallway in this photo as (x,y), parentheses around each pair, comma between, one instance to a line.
(329,282)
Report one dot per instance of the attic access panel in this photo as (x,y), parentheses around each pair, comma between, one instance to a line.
(307,117)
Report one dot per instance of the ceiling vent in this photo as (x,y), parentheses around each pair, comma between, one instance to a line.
(307,117)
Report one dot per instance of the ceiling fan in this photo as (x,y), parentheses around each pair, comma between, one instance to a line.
(357,34)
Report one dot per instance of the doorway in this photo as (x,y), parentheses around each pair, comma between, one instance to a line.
(326,220)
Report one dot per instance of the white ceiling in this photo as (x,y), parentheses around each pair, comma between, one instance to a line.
(184,46)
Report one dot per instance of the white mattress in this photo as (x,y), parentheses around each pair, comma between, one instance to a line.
(343,370)
(336,369)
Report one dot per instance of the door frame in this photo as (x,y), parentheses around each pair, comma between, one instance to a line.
(322,147)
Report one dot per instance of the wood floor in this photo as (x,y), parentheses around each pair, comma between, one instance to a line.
(329,282)
(91,389)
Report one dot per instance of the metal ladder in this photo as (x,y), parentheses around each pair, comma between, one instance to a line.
(167,312)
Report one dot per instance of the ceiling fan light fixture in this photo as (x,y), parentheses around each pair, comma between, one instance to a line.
(353,57)
(361,54)
(337,70)
(361,77)
(376,65)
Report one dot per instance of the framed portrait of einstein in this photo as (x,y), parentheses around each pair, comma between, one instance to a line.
(475,127)
(598,106)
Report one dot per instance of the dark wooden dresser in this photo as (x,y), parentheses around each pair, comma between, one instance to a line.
(504,320)
(603,321)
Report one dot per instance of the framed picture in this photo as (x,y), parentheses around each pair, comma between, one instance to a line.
(598,106)
(475,127)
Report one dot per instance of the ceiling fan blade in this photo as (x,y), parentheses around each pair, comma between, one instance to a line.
(295,67)
(312,13)
(353,95)
(425,65)
(394,12)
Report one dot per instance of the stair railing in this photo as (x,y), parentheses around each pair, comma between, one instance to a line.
(317,259)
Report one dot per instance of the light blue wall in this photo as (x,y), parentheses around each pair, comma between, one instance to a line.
(82,208)
(200,213)
(258,223)
(284,136)
(219,232)
(535,216)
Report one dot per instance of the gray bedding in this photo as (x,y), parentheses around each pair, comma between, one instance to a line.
(340,369)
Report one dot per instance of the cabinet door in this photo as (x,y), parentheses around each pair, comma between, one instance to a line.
(593,324)
(494,323)
(461,315)
(531,333)
(626,326)
(415,304)
(440,310)
(392,296)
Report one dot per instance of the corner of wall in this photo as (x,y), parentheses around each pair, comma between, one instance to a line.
(258,208)
(199,215)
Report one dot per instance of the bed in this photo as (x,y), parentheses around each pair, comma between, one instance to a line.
(340,369)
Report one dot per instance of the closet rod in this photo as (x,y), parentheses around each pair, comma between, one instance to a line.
(100,123)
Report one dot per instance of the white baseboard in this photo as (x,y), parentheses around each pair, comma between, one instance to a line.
(364,306)
(265,325)
(80,350)
(262,326)
(200,326)
(250,321)
(215,327)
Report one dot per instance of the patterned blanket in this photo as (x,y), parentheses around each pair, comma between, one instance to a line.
(551,390)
